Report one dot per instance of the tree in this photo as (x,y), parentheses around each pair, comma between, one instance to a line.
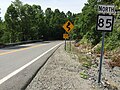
(11,19)
(26,22)
(1,30)
(57,20)
(38,22)
(85,23)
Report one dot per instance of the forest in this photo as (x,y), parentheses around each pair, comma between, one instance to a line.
(85,25)
(29,22)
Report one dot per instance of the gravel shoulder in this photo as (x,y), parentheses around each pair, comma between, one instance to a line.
(61,72)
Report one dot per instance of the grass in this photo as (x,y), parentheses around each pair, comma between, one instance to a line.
(68,46)
(84,75)
(80,51)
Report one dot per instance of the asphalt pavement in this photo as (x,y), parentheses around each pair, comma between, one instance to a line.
(19,64)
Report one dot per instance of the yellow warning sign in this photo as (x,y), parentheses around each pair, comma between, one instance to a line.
(65,36)
(68,26)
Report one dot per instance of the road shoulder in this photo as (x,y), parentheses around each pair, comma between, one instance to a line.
(61,72)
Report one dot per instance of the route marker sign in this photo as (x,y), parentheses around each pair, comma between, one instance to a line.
(65,36)
(106,9)
(68,26)
(105,23)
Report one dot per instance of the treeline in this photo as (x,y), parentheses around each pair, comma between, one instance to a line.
(85,25)
(29,22)
(26,22)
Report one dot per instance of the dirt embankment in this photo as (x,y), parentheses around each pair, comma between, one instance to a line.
(110,68)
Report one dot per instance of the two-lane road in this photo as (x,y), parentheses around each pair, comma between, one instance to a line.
(18,64)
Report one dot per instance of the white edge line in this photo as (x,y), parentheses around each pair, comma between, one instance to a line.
(26,65)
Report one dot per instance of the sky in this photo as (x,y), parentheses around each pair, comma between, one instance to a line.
(75,6)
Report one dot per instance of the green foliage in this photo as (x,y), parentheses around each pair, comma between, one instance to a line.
(87,64)
(113,41)
(85,26)
(84,75)
(29,22)
(85,23)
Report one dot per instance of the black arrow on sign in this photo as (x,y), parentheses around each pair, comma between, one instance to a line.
(68,26)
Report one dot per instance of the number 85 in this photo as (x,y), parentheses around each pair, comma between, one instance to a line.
(102,22)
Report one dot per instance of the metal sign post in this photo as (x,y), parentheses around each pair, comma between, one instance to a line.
(65,44)
(70,41)
(101,57)
(104,24)
(65,36)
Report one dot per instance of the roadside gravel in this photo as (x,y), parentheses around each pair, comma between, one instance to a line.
(61,72)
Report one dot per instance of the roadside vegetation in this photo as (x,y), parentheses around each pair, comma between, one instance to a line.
(23,22)
(86,35)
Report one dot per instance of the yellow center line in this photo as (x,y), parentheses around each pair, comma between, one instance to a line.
(19,50)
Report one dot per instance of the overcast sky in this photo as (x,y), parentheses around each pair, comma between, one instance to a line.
(74,6)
